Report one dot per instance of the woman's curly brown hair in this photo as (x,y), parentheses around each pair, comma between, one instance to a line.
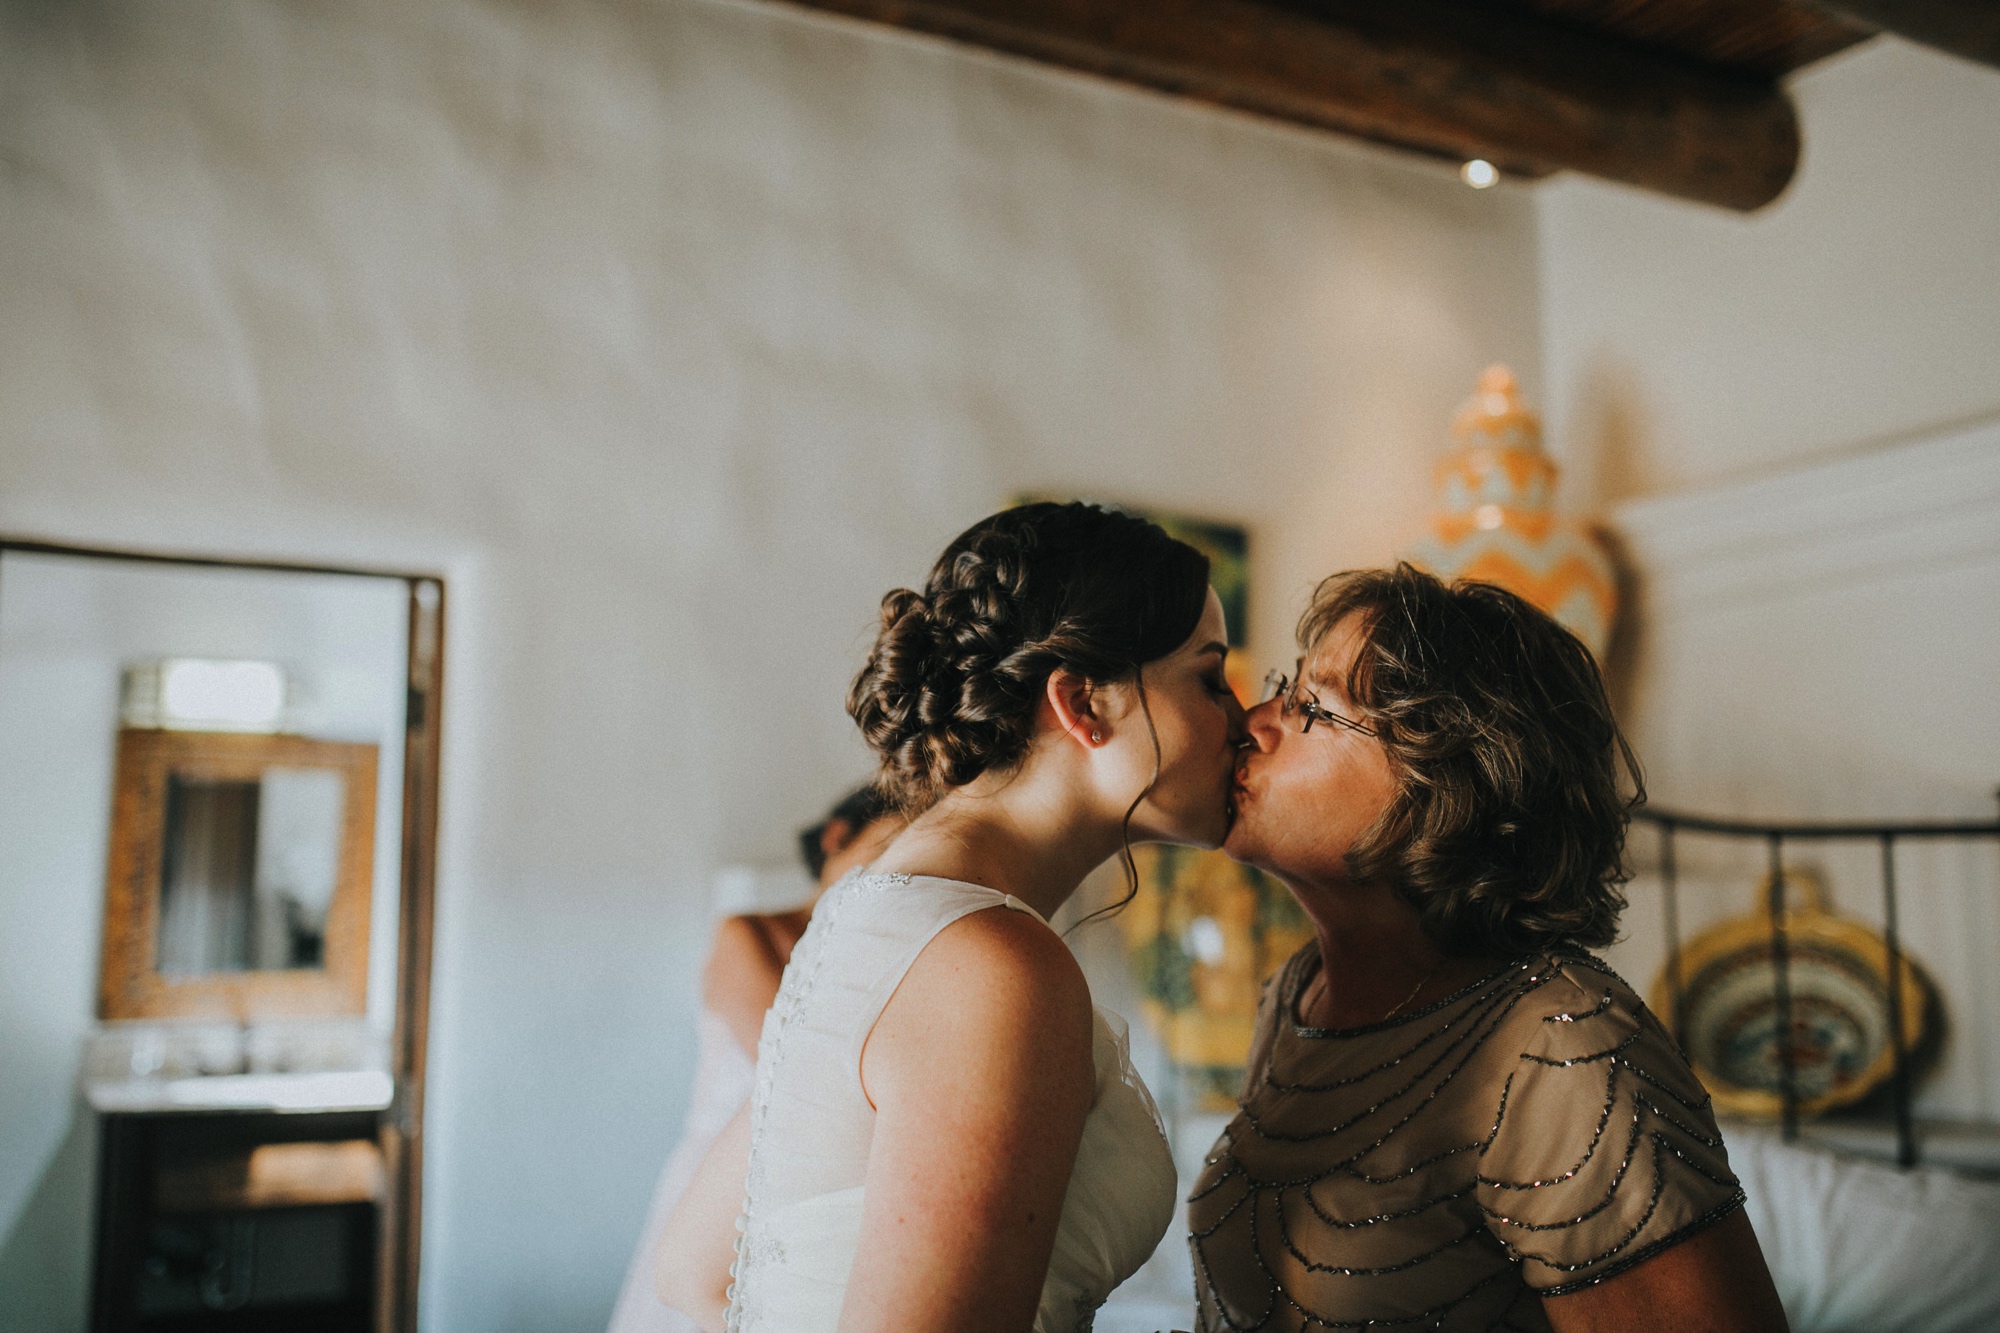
(952,684)
(1506,831)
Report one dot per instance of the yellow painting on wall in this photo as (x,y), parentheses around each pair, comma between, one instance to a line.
(1203,935)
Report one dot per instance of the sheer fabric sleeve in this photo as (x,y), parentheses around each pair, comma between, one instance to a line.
(1265,1030)
(1603,1150)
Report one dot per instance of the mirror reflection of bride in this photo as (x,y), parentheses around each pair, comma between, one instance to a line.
(945,1134)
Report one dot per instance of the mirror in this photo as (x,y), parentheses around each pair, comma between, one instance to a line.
(239,877)
(217,820)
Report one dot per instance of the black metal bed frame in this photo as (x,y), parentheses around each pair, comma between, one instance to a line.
(1671,823)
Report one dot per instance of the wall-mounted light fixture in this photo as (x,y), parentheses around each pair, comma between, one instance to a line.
(1479,174)
(203,694)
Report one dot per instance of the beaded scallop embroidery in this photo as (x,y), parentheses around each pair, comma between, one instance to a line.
(1529,1136)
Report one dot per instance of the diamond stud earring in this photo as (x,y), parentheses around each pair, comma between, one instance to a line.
(1097,737)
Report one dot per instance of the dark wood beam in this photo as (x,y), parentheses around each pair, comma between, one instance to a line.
(1454,78)
(1969,28)
(1770,37)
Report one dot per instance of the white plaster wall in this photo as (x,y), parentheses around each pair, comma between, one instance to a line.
(1688,346)
(1793,420)
(672,334)
(1822,644)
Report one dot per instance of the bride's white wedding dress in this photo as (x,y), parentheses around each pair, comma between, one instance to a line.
(811,1125)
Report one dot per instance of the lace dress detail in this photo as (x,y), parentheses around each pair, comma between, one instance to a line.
(811,1125)
(1534,1134)
(801,977)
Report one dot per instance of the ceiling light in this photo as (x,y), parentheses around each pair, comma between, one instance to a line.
(1479,173)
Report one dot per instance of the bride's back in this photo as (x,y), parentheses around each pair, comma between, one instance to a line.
(813,1129)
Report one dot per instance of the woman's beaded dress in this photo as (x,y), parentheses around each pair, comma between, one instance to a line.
(811,1125)
(1531,1135)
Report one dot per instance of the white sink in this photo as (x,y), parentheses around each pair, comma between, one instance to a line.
(339,1090)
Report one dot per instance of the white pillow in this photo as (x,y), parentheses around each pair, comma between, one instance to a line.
(1860,1247)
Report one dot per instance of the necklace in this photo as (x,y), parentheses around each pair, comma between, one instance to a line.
(1319,980)
(1415,990)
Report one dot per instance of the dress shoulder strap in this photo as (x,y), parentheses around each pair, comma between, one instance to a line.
(904,913)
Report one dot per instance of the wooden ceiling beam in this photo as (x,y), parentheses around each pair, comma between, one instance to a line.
(1455,78)
(1768,37)
(1969,28)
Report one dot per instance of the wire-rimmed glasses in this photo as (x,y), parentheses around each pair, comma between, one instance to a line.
(1295,701)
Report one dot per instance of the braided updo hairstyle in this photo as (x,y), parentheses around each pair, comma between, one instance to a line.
(951,687)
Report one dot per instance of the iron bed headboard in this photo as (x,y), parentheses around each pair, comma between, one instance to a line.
(1670,823)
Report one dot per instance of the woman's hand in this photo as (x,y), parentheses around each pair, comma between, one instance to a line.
(698,1244)
(1714,1282)
(981,1072)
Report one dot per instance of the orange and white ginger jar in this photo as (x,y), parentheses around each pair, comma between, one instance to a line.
(1496,522)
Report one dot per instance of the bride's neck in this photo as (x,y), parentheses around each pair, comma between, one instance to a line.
(1020,833)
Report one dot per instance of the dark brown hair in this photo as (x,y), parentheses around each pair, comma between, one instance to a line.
(1506,831)
(858,809)
(952,684)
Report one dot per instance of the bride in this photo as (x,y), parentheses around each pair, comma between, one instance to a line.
(945,1134)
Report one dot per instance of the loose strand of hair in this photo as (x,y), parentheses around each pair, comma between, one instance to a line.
(1125,860)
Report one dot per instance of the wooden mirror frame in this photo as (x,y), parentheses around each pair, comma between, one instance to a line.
(130,984)
(401,1126)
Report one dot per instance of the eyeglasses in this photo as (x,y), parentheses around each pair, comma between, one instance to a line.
(1294,701)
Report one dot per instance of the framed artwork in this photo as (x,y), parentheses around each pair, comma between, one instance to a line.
(1202,937)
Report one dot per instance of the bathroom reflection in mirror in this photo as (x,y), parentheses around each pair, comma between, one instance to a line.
(203,814)
(217,822)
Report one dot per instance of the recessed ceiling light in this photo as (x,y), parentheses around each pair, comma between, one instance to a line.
(1479,173)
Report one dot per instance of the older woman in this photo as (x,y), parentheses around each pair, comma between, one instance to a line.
(1454,1117)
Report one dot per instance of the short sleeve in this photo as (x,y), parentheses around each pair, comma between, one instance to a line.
(1603,1150)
